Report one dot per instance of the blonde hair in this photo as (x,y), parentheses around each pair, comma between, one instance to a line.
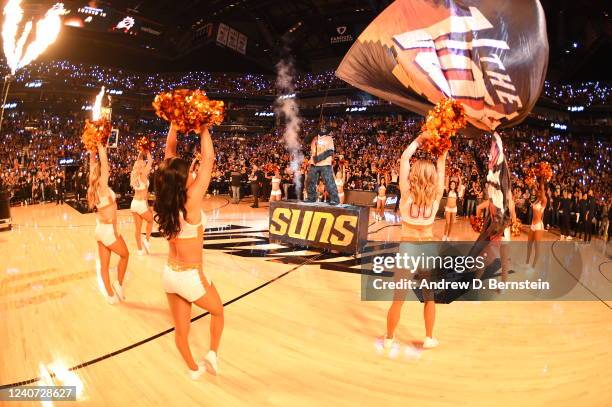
(136,171)
(423,180)
(94,180)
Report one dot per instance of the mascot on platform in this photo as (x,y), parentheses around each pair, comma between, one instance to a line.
(321,158)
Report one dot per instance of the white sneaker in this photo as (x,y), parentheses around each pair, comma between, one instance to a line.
(118,290)
(196,374)
(147,247)
(429,343)
(210,361)
(140,252)
(112,300)
(388,342)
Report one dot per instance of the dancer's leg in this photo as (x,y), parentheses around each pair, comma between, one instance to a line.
(211,302)
(120,248)
(137,229)
(105,253)
(148,217)
(181,314)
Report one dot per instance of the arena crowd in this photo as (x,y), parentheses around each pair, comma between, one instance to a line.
(73,75)
(369,148)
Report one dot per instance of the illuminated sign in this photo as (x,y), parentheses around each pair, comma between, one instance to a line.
(341,35)
(558,126)
(126,24)
(575,108)
(289,96)
(356,109)
(264,114)
(66,161)
(92,11)
(343,229)
(115,92)
(9,105)
(34,84)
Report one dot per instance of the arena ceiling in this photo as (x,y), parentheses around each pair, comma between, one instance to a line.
(181,34)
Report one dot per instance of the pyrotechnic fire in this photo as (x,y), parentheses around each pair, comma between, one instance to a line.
(47,30)
(96,110)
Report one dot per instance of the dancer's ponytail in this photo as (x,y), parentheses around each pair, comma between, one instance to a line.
(170,195)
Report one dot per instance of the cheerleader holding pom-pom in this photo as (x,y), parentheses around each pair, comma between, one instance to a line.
(101,197)
(139,181)
(178,207)
(536,179)
(421,186)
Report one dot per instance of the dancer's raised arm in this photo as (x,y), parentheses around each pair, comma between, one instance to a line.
(104,167)
(149,165)
(171,142)
(441,169)
(199,187)
(405,165)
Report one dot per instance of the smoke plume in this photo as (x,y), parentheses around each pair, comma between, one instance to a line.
(287,107)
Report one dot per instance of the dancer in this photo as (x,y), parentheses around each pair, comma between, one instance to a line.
(537,226)
(421,187)
(178,203)
(101,197)
(450,211)
(139,180)
(381,198)
(275,194)
(340,179)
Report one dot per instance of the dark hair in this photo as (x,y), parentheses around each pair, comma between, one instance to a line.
(170,195)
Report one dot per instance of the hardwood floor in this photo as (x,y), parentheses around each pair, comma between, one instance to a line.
(297,334)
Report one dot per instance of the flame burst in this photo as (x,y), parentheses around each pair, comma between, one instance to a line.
(96,110)
(47,30)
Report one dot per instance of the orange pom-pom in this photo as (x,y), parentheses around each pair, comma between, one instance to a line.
(190,110)
(477,223)
(541,172)
(516,227)
(443,122)
(96,133)
(144,144)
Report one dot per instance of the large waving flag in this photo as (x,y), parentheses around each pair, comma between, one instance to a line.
(490,55)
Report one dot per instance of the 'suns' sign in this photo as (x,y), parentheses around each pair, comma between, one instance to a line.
(343,229)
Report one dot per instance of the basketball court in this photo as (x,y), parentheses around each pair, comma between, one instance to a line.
(297,332)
